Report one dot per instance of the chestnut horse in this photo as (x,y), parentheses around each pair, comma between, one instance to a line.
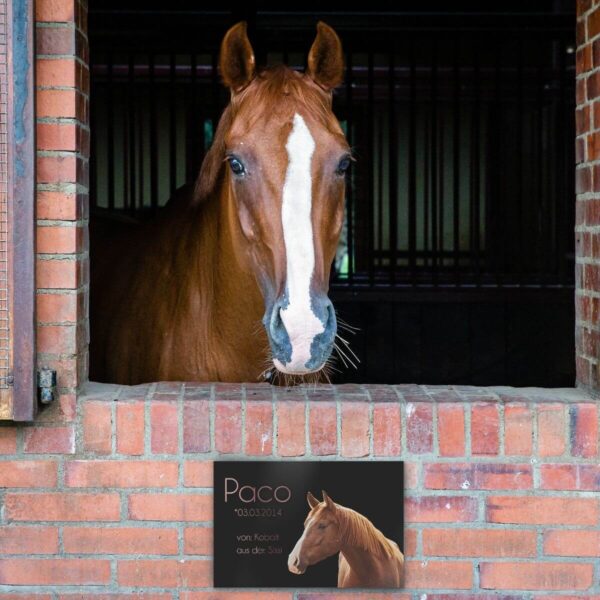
(254,239)
(367,559)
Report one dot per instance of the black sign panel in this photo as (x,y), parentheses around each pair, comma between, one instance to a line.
(308,524)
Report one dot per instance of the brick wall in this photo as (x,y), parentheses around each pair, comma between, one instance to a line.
(62,188)
(587,236)
(114,502)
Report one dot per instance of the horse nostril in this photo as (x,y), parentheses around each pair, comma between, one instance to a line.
(276,323)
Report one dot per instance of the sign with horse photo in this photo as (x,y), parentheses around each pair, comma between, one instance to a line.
(308,524)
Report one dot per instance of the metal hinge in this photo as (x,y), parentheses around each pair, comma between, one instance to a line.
(8,380)
(46,380)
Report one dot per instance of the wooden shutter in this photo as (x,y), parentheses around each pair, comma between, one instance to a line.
(17,214)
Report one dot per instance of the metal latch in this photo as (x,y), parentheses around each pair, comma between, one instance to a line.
(46,380)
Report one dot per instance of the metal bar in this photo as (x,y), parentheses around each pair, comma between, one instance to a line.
(153,137)
(132,109)
(516,263)
(194,147)
(173,124)
(412,165)
(110,145)
(141,132)
(434,161)
(476,188)
(456,129)
(125,133)
(370,159)
(563,196)
(393,166)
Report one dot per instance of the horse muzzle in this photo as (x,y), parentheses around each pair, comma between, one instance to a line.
(294,565)
(301,337)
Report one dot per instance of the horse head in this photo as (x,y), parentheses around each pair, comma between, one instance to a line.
(280,157)
(321,538)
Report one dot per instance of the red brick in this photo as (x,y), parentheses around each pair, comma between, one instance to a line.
(97,427)
(49,440)
(593,24)
(259,428)
(291,428)
(572,543)
(196,426)
(518,431)
(536,576)
(355,429)
(451,429)
(22,597)
(255,595)
(57,339)
(28,474)
(28,540)
(551,430)
(55,72)
(54,571)
(62,506)
(323,428)
(584,430)
(479,542)
(120,540)
(170,507)
(56,103)
(411,475)
(485,424)
(228,426)
(334,595)
(387,429)
(52,41)
(121,474)
(124,596)
(130,429)
(56,308)
(570,477)
(198,473)
(57,206)
(419,427)
(55,10)
(198,540)
(56,274)
(8,440)
(164,428)
(59,239)
(437,574)
(440,509)
(165,573)
(57,169)
(583,180)
(477,476)
(582,120)
(56,136)
(542,511)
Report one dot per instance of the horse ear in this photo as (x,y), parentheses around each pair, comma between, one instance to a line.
(326,58)
(236,61)
(312,501)
(329,503)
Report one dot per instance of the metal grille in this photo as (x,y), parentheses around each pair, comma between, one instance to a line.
(5,348)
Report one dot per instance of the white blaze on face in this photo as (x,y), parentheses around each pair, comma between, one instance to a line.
(301,323)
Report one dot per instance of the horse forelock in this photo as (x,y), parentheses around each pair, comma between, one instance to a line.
(276,92)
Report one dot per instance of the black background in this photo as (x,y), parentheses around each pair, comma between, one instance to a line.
(374,489)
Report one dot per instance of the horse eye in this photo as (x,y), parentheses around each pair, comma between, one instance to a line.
(343,165)
(322,525)
(236,165)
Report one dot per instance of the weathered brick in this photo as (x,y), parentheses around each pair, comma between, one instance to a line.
(196,426)
(291,428)
(170,507)
(62,506)
(168,573)
(28,474)
(437,574)
(451,429)
(164,429)
(49,440)
(479,542)
(419,427)
(8,440)
(56,274)
(228,426)
(259,428)
(58,206)
(54,571)
(56,72)
(57,339)
(584,430)
(584,477)
(256,595)
(387,429)
(55,308)
(485,429)
(120,540)
(572,543)
(518,430)
(55,10)
(355,429)
(323,428)
(477,476)
(121,474)
(59,240)
(551,429)
(130,429)
(542,510)
(536,576)
(97,427)
(198,540)
(28,540)
(440,509)
(198,473)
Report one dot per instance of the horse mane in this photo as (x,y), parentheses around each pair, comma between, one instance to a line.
(358,531)
(275,91)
